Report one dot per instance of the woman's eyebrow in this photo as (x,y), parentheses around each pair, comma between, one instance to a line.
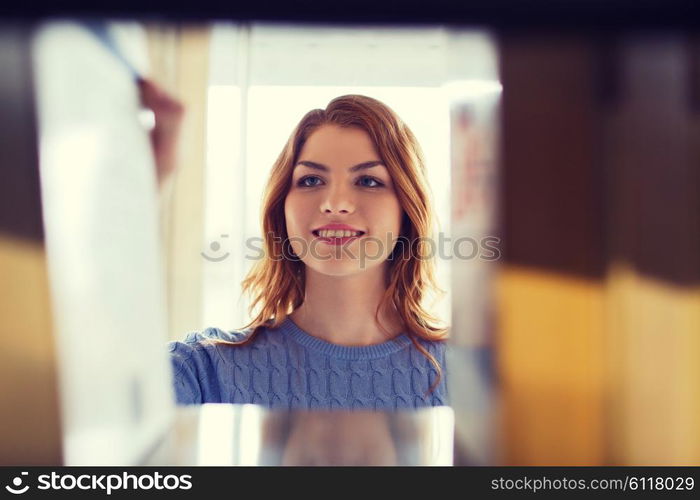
(324,168)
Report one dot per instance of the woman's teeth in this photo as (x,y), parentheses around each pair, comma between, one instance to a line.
(327,233)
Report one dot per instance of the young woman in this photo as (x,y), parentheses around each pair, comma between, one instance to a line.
(339,292)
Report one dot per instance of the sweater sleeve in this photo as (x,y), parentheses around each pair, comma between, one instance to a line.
(185,381)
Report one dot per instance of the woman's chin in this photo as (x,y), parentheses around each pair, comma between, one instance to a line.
(339,268)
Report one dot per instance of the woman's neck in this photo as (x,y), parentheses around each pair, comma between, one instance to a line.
(341,309)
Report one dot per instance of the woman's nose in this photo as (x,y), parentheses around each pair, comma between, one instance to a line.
(338,199)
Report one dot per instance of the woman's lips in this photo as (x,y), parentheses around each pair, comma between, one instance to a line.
(337,241)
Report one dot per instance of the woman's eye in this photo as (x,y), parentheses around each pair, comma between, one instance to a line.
(375,182)
(303,182)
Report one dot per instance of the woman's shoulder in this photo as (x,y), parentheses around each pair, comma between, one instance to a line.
(202,341)
(433,346)
(211,334)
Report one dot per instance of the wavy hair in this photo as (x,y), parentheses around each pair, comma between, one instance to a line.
(276,282)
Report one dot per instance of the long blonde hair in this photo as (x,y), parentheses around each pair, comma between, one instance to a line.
(276,282)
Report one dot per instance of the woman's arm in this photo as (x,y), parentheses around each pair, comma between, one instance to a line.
(185,381)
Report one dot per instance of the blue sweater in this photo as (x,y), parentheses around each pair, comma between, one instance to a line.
(288,368)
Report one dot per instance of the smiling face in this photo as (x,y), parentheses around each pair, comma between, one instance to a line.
(339,178)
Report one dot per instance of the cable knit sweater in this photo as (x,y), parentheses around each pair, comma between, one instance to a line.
(288,368)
